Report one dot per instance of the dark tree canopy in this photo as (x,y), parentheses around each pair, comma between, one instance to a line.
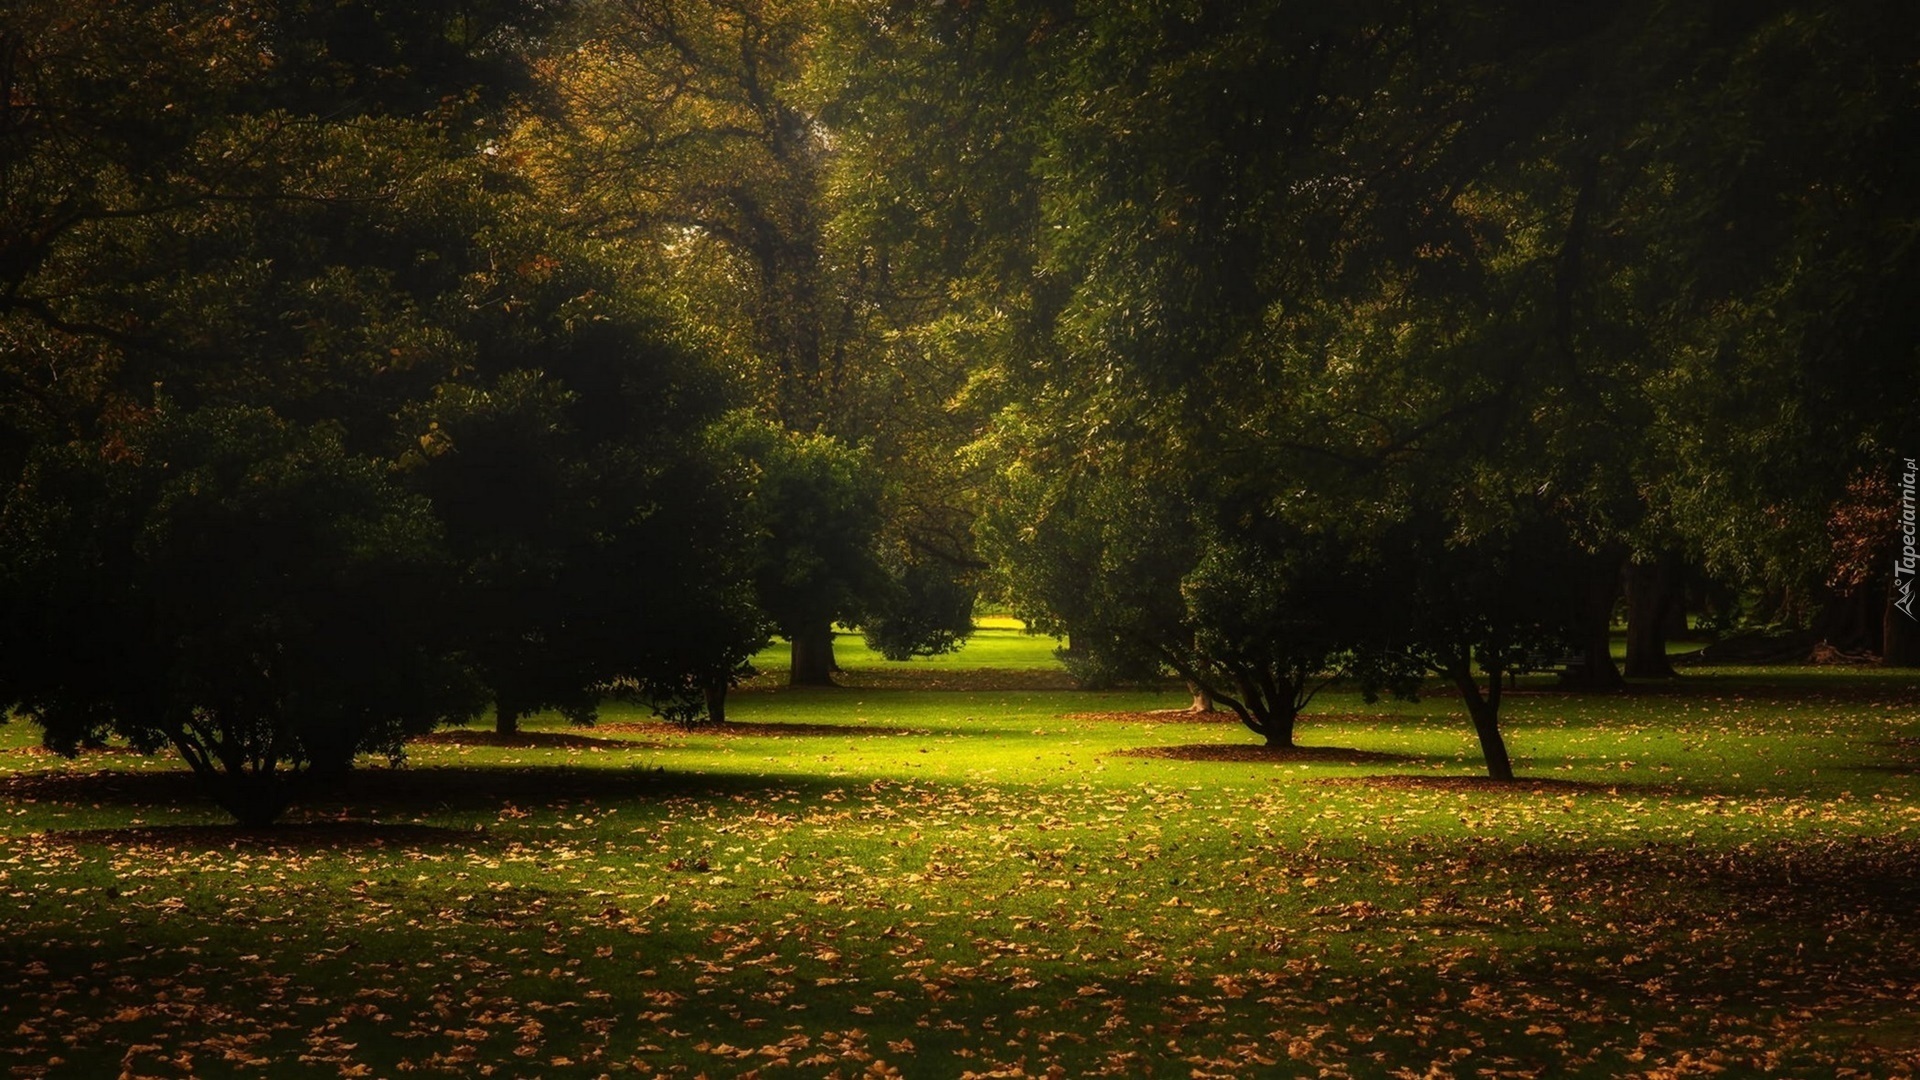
(580,346)
(297,222)
(816,512)
(234,586)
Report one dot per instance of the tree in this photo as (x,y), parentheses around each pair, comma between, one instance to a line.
(380,272)
(210,305)
(1484,600)
(146,158)
(816,508)
(232,585)
(708,142)
(685,134)
(601,533)
(927,609)
(1149,569)
(1785,203)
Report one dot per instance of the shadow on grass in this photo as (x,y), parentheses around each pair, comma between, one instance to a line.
(379,791)
(1827,877)
(757,728)
(1903,758)
(1155,716)
(529,740)
(1277,755)
(908,677)
(341,834)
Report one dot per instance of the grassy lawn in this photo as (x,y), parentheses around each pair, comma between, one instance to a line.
(960,866)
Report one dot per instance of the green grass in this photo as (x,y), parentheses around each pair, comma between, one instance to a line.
(979,879)
(999,644)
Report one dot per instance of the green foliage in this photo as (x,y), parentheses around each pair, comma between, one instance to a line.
(1253,318)
(816,510)
(926,610)
(206,199)
(234,586)
(1391,285)
(1148,572)
(583,498)
(1094,559)
(304,212)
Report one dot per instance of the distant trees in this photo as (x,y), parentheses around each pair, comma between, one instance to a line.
(696,138)
(926,609)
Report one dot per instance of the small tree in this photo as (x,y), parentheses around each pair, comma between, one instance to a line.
(926,609)
(816,512)
(1486,601)
(1277,615)
(1145,576)
(1091,558)
(232,585)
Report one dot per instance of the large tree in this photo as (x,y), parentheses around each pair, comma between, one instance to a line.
(602,535)
(1783,203)
(230,585)
(304,218)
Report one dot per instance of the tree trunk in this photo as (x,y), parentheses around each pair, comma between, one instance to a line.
(329,768)
(1651,593)
(1676,620)
(256,800)
(1264,713)
(1853,623)
(330,754)
(506,718)
(1280,736)
(1595,627)
(1900,635)
(812,656)
(1202,700)
(1277,727)
(716,695)
(1484,710)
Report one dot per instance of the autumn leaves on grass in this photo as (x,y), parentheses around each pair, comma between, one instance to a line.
(1233,752)
(1240,753)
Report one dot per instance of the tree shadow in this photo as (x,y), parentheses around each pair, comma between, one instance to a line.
(339,834)
(912,678)
(1155,716)
(530,740)
(1906,755)
(757,728)
(136,787)
(1275,755)
(368,794)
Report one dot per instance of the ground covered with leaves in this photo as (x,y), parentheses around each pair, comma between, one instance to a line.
(1712,877)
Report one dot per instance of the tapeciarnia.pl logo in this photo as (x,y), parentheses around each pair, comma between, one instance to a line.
(1905,565)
